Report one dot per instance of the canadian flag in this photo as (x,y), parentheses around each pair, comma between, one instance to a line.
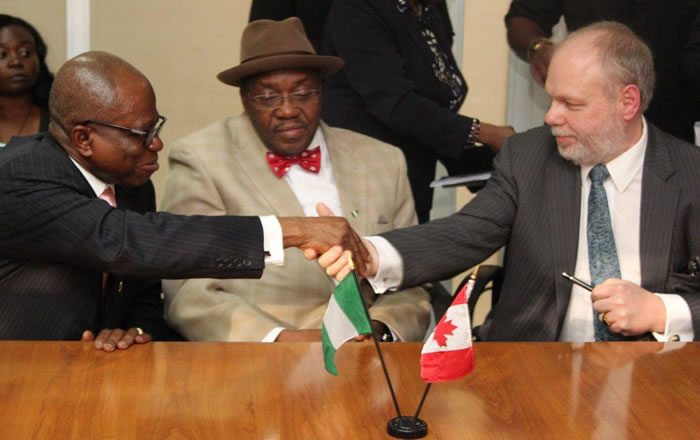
(448,353)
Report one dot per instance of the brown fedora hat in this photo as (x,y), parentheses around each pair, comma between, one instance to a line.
(269,45)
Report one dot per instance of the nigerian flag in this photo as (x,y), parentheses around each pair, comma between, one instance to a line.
(345,318)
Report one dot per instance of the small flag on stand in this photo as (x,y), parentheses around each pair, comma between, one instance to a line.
(448,353)
(345,318)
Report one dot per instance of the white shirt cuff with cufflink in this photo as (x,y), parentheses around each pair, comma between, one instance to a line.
(679,321)
(390,273)
(273,244)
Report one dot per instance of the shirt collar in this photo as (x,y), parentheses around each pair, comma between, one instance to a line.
(320,140)
(96,184)
(624,167)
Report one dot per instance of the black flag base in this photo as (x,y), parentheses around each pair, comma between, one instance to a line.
(407,427)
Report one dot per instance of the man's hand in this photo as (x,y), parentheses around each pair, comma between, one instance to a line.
(306,335)
(539,62)
(629,309)
(336,261)
(111,339)
(315,236)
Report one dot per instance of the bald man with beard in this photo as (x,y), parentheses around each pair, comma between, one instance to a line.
(82,251)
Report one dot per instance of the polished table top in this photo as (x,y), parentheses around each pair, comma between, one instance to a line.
(241,390)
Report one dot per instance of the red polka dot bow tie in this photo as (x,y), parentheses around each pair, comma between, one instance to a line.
(310,160)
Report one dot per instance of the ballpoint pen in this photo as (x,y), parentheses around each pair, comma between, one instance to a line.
(577,281)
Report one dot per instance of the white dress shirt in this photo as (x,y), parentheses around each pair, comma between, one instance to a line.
(624,191)
(96,184)
(311,188)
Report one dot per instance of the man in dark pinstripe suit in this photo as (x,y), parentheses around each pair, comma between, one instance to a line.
(58,241)
(600,81)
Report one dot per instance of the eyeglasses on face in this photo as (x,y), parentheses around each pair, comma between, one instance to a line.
(299,98)
(148,135)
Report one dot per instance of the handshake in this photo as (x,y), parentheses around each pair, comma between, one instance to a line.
(331,241)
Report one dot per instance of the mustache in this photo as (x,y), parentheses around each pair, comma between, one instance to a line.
(556,131)
(288,125)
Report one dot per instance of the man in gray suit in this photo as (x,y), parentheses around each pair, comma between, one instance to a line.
(550,202)
(237,166)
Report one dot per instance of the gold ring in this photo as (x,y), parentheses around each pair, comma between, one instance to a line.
(604,317)
(139,331)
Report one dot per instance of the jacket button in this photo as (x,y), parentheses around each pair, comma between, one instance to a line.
(247,263)
(120,288)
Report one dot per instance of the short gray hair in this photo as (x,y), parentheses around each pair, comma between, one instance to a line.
(624,57)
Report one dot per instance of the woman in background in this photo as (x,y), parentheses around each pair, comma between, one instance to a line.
(25,79)
(402,85)
(312,14)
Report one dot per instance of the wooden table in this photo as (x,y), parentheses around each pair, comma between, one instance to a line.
(57,390)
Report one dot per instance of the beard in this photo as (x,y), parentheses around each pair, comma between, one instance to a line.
(599,147)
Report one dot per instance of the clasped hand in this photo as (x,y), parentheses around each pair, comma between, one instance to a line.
(317,236)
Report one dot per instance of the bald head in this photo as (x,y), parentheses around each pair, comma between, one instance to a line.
(92,84)
(102,111)
(621,55)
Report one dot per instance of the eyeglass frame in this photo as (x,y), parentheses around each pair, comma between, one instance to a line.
(150,135)
(306,94)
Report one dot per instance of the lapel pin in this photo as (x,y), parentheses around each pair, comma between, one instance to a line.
(355,213)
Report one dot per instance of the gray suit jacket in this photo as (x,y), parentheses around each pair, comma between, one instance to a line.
(532,205)
(221,169)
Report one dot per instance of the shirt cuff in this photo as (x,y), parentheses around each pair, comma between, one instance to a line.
(272,336)
(679,321)
(390,273)
(272,241)
(394,336)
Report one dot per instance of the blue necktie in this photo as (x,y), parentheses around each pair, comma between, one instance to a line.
(602,254)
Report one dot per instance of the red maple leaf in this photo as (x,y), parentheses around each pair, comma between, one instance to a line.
(441,332)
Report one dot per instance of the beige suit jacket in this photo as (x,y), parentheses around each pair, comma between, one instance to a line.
(222,170)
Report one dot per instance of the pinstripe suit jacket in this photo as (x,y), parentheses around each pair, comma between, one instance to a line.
(57,238)
(222,170)
(532,205)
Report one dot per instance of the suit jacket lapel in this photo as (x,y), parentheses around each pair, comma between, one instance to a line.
(350,177)
(563,186)
(251,157)
(658,213)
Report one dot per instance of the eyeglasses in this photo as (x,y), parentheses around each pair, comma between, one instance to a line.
(269,102)
(149,135)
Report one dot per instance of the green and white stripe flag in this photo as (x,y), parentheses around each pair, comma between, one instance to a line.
(345,318)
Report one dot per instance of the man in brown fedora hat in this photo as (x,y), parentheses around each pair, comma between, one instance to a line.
(278,158)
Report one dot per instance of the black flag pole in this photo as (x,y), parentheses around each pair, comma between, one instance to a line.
(375,339)
(422,400)
(400,426)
